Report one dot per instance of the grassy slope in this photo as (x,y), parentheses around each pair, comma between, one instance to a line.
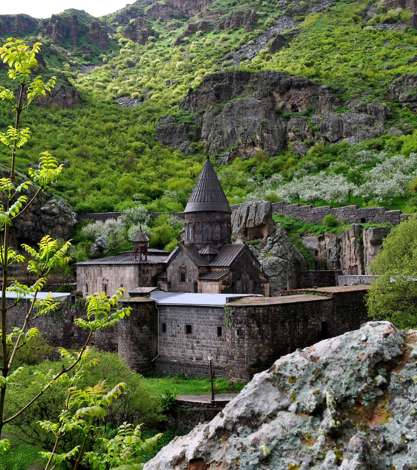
(111,152)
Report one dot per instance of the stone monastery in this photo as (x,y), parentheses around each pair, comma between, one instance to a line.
(206,261)
(209,298)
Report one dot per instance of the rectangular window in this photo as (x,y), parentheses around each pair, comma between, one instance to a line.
(219,331)
(164,327)
(183,276)
(188,329)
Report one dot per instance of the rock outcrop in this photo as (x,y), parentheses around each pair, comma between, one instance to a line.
(179,135)
(351,252)
(64,95)
(139,30)
(243,113)
(252,221)
(17,25)
(404,91)
(46,215)
(280,261)
(347,403)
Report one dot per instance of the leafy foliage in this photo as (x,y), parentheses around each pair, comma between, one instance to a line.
(393,296)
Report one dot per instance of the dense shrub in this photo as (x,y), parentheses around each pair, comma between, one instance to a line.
(393,296)
(139,405)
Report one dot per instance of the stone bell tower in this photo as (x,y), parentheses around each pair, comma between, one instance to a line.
(207,214)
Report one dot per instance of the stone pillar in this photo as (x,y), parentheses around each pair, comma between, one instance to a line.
(138,335)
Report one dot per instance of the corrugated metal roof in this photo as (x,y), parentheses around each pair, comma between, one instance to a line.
(208,194)
(208,250)
(198,300)
(227,255)
(128,258)
(142,290)
(58,296)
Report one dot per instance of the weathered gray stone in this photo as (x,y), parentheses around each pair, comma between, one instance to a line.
(247,125)
(252,221)
(50,216)
(64,95)
(280,261)
(344,403)
(373,239)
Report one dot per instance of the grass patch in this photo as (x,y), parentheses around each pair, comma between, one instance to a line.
(20,457)
(180,385)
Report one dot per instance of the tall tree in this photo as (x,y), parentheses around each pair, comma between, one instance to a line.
(16,196)
(393,296)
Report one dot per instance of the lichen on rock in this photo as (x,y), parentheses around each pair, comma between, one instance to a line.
(352,407)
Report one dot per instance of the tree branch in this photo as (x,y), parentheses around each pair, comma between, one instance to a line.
(64,371)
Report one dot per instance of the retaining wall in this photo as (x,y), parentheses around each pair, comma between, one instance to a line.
(349,214)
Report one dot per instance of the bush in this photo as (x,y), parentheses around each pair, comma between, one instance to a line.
(330,220)
(393,296)
(139,405)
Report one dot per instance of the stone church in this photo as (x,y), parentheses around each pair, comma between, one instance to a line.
(206,260)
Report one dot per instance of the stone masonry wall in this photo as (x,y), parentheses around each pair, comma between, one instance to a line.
(258,335)
(349,214)
(137,338)
(187,353)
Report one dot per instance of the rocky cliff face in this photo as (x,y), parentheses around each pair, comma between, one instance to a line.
(351,253)
(47,215)
(76,29)
(242,113)
(18,25)
(347,403)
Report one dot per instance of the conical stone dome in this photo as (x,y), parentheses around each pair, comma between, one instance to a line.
(208,194)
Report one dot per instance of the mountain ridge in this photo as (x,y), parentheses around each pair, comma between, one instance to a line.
(131,138)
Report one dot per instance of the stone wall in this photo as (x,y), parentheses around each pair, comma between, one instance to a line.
(349,214)
(138,336)
(187,414)
(182,351)
(259,334)
(57,328)
(242,338)
(92,278)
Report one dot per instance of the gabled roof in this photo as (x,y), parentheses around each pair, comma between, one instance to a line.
(227,255)
(208,250)
(214,276)
(208,194)
(128,258)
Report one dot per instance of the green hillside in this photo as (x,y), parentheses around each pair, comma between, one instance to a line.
(358,48)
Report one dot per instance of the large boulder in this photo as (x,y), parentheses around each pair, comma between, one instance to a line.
(64,95)
(139,30)
(347,403)
(252,221)
(280,261)
(51,216)
(404,91)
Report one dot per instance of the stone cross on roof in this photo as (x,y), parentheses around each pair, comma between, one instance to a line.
(208,194)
